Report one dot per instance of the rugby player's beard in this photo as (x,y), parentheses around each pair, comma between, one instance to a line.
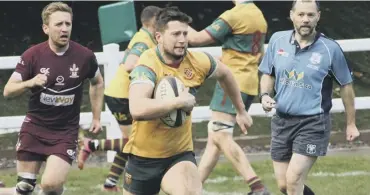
(172,55)
(311,29)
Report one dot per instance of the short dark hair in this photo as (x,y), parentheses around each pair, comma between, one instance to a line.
(169,14)
(316,2)
(148,13)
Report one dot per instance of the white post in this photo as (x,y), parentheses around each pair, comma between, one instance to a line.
(113,58)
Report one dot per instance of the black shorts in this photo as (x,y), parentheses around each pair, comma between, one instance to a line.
(306,135)
(143,176)
(120,109)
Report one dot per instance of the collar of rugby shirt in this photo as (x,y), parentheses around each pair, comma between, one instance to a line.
(293,41)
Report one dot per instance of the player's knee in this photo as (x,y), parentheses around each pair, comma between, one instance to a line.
(293,178)
(26,183)
(189,183)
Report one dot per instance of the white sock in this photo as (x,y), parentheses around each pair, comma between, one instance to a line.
(110,181)
(96,144)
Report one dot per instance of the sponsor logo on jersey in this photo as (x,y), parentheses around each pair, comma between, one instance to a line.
(57,100)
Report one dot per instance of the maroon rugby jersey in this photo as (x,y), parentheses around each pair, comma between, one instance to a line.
(57,105)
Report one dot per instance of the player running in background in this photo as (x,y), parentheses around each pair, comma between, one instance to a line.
(300,66)
(161,156)
(241,31)
(54,72)
(116,97)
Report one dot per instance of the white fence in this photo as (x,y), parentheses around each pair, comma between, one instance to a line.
(110,58)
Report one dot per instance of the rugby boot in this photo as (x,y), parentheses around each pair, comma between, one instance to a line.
(262,192)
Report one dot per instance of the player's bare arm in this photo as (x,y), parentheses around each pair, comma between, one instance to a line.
(200,38)
(133,55)
(348,98)
(229,84)
(267,83)
(130,62)
(16,86)
(143,107)
(267,86)
(96,98)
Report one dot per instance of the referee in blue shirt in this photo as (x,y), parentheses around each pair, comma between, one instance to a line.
(300,66)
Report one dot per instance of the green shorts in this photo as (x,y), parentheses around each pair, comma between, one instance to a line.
(222,103)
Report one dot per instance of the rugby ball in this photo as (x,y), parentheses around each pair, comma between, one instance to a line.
(168,88)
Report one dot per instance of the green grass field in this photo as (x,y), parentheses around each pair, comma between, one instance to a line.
(330,176)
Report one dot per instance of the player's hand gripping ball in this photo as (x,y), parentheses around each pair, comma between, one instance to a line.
(167,88)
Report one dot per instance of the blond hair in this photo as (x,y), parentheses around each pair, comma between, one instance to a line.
(52,8)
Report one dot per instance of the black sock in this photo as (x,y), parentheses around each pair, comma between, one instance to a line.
(307,191)
(92,146)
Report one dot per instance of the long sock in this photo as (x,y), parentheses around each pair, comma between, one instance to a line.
(307,191)
(255,184)
(116,170)
(107,144)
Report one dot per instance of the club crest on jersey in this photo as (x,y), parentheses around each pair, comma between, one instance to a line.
(128,178)
(188,73)
(74,71)
(315,58)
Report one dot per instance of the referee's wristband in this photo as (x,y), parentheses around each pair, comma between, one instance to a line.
(263,94)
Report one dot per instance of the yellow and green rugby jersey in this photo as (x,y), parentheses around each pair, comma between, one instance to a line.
(241,31)
(118,87)
(154,139)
